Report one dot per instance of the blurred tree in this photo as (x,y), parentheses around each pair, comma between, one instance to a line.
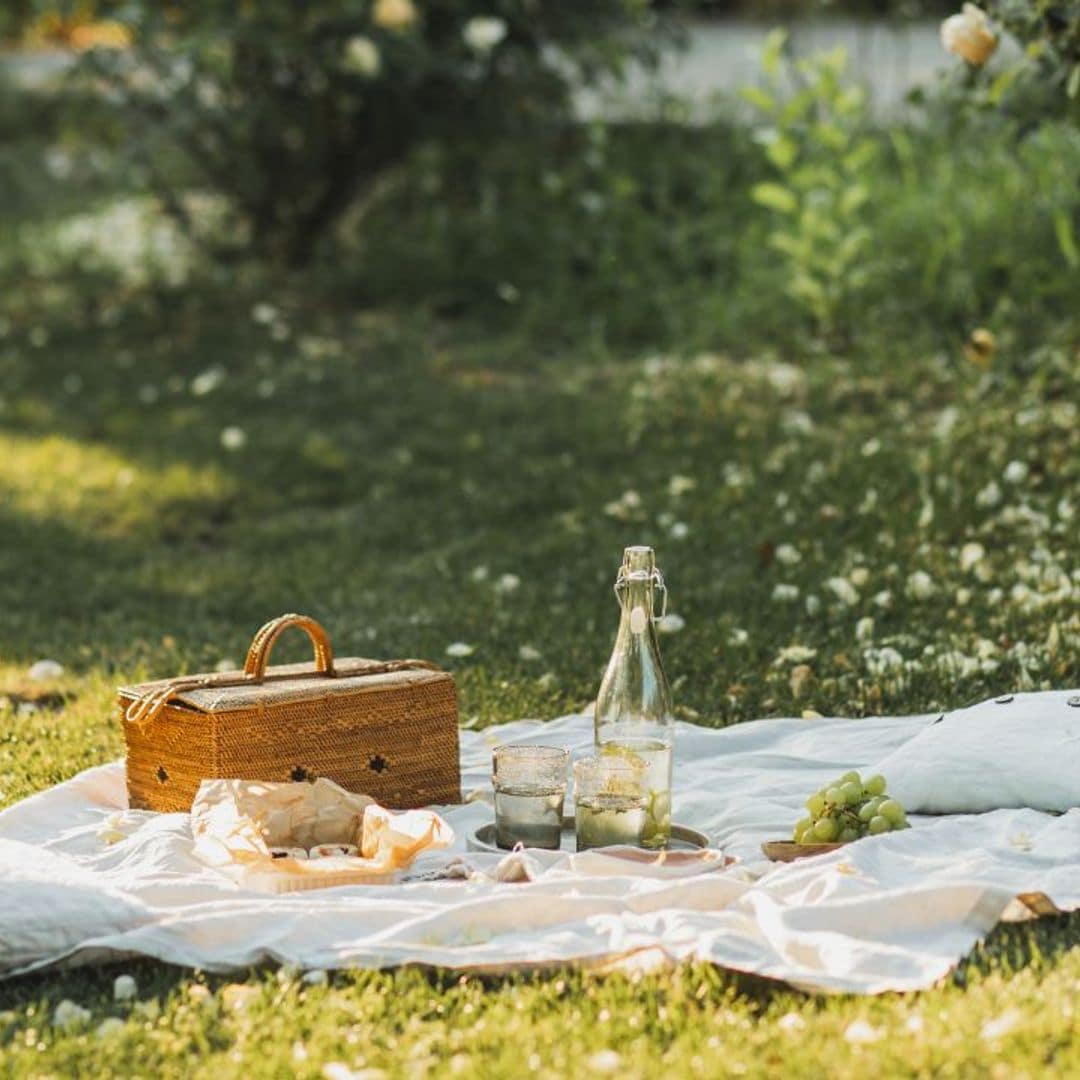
(290,112)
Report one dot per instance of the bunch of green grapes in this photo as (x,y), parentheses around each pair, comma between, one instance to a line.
(847,809)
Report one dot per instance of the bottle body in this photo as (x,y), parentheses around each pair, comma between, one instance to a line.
(634,715)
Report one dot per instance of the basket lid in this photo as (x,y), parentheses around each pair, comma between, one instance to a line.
(228,691)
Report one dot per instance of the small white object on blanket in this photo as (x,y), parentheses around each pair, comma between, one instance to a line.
(1016,750)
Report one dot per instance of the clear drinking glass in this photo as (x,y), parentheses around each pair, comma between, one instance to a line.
(530,787)
(611,797)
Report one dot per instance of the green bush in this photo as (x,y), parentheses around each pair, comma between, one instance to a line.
(815,139)
(291,113)
(1050,33)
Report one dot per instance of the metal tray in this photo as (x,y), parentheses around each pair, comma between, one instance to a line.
(683,838)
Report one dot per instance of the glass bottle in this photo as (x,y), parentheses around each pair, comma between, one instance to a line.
(633,708)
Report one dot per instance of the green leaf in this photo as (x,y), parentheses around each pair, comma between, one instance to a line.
(782,152)
(830,136)
(1000,86)
(863,153)
(773,52)
(775,197)
(791,244)
(815,176)
(759,98)
(850,101)
(853,198)
(853,243)
(1072,87)
(797,107)
(1066,239)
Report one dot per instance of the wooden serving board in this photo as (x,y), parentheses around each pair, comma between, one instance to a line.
(789,851)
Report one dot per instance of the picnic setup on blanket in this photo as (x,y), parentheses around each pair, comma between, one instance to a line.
(333,815)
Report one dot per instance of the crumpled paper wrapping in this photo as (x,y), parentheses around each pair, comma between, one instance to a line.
(236,822)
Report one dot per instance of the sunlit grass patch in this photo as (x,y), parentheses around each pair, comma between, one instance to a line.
(97,490)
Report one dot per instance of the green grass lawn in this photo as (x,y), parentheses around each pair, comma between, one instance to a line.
(913,524)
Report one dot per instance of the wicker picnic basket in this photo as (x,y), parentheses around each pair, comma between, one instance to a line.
(387,729)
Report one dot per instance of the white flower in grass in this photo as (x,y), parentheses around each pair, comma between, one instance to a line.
(394,14)
(859,1031)
(460,648)
(680,485)
(528,652)
(989,496)
(233,438)
(603,1061)
(206,382)
(362,56)
(843,590)
(787,554)
(864,628)
(338,1070)
(109,1026)
(124,988)
(791,1022)
(670,623)
(970,555)
(679,531)
(483,32)
(738,636)
(1016,472)
(859,576)
(1001,1025)
(920,585)
(507,583)
(883,599)
(68,1015)
(624,506)
(969,35)
(43,670)
(812,604)
(264,313)
(882,661)
(785,594)
(795,654)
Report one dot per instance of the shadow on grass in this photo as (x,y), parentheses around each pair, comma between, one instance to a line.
(1009,949)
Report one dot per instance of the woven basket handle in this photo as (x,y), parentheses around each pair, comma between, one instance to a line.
(259,654)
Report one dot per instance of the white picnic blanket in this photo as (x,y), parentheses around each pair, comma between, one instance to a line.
(893,912)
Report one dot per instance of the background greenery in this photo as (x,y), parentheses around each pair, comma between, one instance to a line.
(491,377)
